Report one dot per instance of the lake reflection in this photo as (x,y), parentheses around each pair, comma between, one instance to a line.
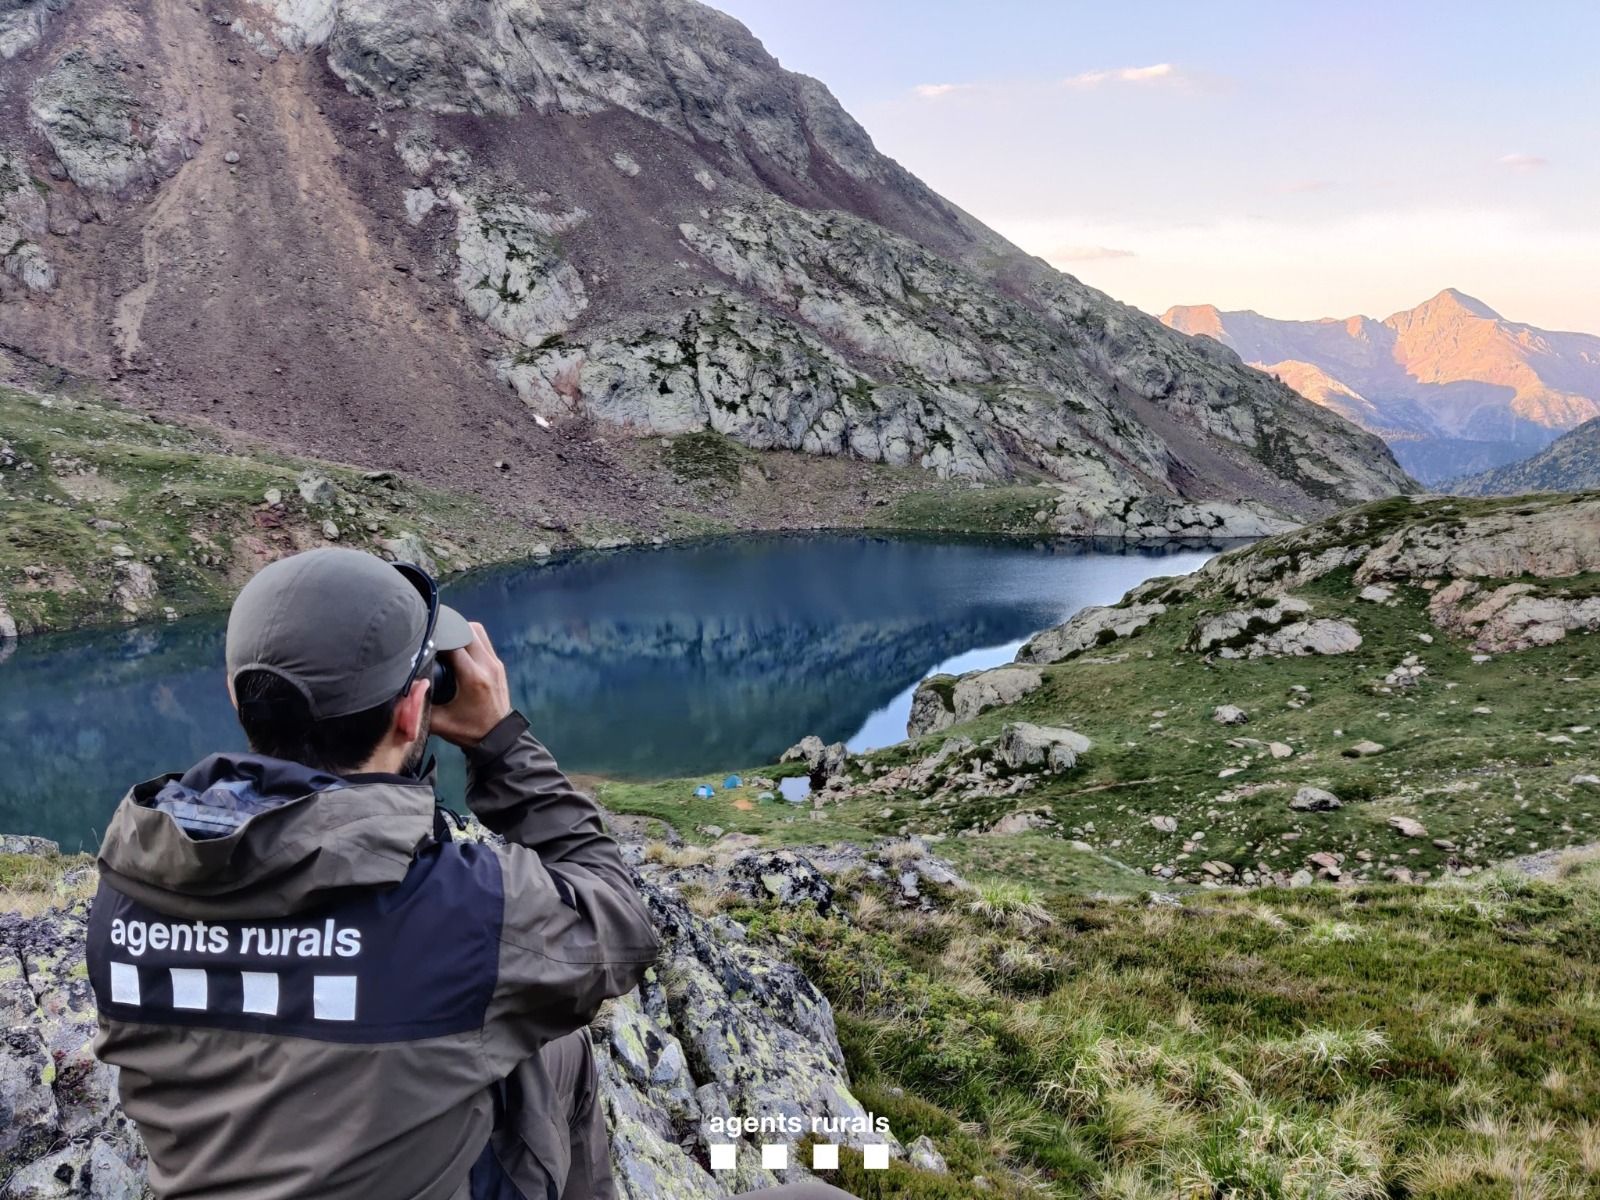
(640,663)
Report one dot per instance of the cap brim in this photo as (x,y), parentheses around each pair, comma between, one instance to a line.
(451,631)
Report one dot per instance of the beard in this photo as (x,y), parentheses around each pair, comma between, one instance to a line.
(418,749)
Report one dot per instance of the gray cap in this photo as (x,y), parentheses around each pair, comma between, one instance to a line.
(341,626)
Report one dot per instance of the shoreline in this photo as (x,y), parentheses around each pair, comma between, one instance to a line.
(564,554)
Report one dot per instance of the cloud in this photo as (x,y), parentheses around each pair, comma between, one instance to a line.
(1084,254)
(1306,185)
(1522,162)
(934,91)
(1156,73)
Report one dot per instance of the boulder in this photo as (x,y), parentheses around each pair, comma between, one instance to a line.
(823,762)
(1229,714)
(940,702)
(925,1156)
(1022,745)
(1091,627)
(780,875)
(317,489)
(1408,827)
(22,843)
(1363,749)
(1315,799)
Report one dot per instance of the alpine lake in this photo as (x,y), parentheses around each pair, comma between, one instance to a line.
(643,663)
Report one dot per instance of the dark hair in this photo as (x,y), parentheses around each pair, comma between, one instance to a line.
(279,724)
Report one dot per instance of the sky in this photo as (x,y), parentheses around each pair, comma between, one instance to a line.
(1300,159)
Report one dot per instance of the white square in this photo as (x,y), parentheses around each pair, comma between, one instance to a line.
(723,1156)
(260,992)
(825,1156)
(333,997)
(124,983)
(188,987)
(875,1156)
(774,1156)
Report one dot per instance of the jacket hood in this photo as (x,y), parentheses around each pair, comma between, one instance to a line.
(242,835)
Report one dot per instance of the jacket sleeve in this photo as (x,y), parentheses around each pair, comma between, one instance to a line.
(575,930)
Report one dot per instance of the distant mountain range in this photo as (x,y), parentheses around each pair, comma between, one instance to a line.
(1451,385)
(1571,463)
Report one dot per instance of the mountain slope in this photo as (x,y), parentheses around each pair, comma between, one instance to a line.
(1571,463)
(384,231)
(1451,385)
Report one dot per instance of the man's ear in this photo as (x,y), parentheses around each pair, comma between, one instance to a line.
(409,712)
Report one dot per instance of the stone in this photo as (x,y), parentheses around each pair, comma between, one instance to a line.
(330,530)
(407,547)
(273,496)
(317,489)
(231,157)
(1585,781)
(97,1171)
(1087,629)
(1315,799)
(1022,745)
(942,701)
(1363,749)
(1164,824)
(924,1155)
(22,843)
(1229,714)
(1280,750)
(823,762)
(1408,827)
(1376,594)
(780,875)
(1018,822)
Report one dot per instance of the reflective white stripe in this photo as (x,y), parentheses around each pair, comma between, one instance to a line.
(333,997)
(188,988)
(124,983)
(260,992)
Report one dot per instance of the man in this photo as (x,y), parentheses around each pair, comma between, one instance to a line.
(309,987)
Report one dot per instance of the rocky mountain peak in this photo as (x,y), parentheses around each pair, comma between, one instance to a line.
(1450,305)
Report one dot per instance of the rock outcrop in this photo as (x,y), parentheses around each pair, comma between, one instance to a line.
(529,237)
(1086,629)
(941,701)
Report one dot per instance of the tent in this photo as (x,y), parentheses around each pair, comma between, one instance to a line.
(732,781)
(705,791)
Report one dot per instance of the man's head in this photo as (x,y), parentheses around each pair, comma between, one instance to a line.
(326,656)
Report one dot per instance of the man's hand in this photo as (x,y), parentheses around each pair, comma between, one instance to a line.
(483,697)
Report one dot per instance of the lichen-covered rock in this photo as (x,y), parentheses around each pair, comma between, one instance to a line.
(510,270)
(52,1088)
(22,24)
(107,138)
(96,1170)
(780,875)
(24,226)
(1023,745)
(1229,634)
(942,701)
(1087,629)
(1512,617)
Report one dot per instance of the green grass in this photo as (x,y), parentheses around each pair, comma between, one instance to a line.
(955,508)
(109,487)
(1437,1043)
